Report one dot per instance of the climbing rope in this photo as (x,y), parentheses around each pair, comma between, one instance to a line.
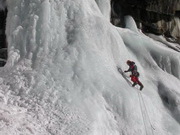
(141,105)
(152,128)
(147,114)
(142,114)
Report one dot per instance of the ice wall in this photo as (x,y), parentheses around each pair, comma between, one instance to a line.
(61,76)
(59,50)
(160,65)
(105,8)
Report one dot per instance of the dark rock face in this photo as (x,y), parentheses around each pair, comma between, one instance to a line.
(155,16)
(3,43)
(3,15)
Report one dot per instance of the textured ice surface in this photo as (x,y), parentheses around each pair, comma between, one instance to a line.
(61,76)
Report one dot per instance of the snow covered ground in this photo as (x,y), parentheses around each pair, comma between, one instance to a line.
(61,76)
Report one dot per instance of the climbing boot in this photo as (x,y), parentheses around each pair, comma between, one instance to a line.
(141,86)
(133,84)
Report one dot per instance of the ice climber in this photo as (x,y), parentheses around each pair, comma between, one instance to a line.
(134,74)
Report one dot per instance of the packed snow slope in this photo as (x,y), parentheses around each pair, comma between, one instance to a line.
(61,77)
